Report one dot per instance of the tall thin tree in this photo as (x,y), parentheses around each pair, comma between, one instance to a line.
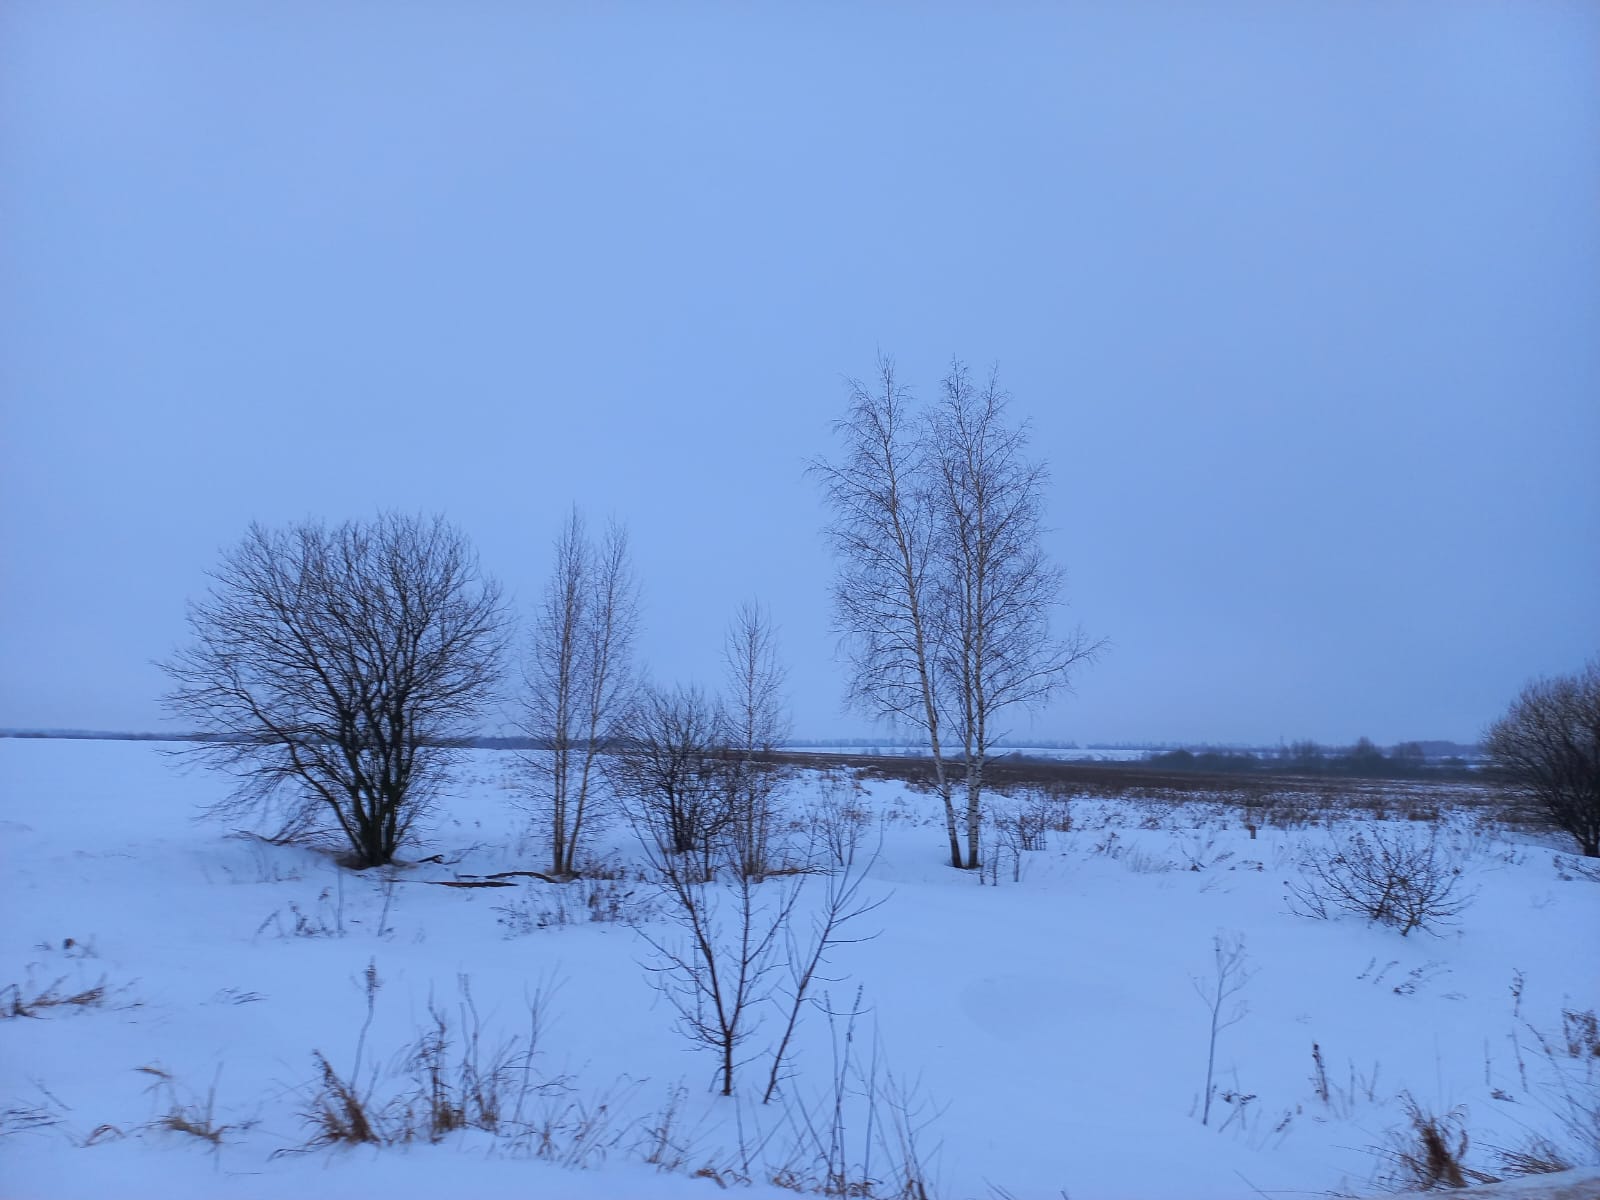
(995,587)
(579,677)
(755,722)
(883,534)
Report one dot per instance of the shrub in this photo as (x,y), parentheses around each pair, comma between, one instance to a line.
(1394,879)
(1547,748)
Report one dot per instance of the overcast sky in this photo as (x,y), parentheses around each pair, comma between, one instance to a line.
(1302,300)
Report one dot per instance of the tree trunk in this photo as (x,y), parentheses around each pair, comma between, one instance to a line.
(942,780)
(974,813)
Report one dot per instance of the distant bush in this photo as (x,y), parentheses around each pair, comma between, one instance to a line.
(1221,761)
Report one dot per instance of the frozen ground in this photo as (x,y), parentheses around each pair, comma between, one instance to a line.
(1045,1035)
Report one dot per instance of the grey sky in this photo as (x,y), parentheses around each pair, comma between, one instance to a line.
(1303,300)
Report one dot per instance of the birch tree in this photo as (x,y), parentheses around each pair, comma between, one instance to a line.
(995,587)
(579,676)
(754,723)
(943,590)
(883,531)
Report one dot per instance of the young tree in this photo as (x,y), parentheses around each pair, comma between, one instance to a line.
(995,586)
(734,931)
(333,671)
(670,764)
(1229,974)
(1548,747)
(716,975)
(579,676)
(883,533)
(755,723)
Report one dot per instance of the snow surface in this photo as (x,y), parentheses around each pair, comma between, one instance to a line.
(1047,1030)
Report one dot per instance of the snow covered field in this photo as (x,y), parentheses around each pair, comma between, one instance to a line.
(1043,1037)
(1066,753)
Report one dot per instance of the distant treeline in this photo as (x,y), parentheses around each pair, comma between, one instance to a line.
(908,743)
(99,735)
(1363,760)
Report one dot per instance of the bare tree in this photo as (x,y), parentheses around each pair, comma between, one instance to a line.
(842,904)
(334,670)
(579,676)
(996,587)
(883,531)
(670,766)
(944,589)
(717,975)
(755,723)
(1548,747)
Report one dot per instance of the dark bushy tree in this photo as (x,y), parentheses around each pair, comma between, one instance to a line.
(1548,748)
(334,670)
(671,769)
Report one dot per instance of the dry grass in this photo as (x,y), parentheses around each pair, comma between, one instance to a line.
(1428,1152)
(1536,1156)
(449,1080)
(1263,799)
(24,1117)
(178,1113)
(583,901)
(1580,1032)
(337,1111)
(18,1000)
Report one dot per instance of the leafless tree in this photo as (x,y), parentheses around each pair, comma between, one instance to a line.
(996,588)
(579,677)
(755,724)
(734,931)
(1548,747)
(717,974)
(944,590)
(841,906)
(670,768)
(883,531)
(334,670)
